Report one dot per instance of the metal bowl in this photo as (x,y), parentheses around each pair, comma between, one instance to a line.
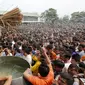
(15,66)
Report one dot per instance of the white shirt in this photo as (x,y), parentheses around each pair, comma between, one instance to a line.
(82,53)
(65,69)
(76,81)
(28,58)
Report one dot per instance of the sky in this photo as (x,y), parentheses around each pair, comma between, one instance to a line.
(63,7)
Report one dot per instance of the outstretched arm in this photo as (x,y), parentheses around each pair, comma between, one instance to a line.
(46,56)
(8,80)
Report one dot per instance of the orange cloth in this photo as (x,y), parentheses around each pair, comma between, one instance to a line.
(53,55)
(35,80)
(83,58)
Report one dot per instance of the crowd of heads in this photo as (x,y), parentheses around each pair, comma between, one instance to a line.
(65,45)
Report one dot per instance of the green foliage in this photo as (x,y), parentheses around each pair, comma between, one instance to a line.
(65,19)
(50,15)
(78,17)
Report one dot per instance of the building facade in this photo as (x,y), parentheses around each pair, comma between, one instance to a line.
(30,17)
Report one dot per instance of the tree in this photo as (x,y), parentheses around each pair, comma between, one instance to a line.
(50,15)
(78,17)
(65,19)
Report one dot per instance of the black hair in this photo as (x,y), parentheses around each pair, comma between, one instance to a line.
(82,65)
(69,79)
(34,46)
(51,42)
(15,39)
(19,43)
(28,50)
(76,57)
(49,47)
(43,70)
(17,49)
(58,63)
(67,56)
(73,66)
(24,46)
(82,45)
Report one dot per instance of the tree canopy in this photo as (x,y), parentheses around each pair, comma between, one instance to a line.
(78,17)
(50,15)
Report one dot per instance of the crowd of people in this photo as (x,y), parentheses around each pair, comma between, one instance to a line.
(56,54)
